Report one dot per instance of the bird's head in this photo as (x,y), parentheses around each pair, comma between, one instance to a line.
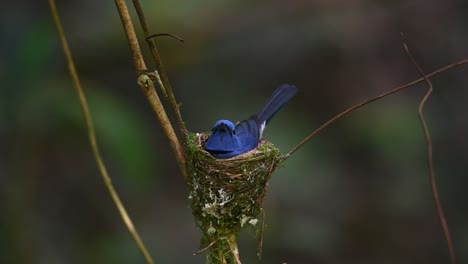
(224,126)
(223,137)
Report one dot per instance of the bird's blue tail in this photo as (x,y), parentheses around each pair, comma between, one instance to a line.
(279,97)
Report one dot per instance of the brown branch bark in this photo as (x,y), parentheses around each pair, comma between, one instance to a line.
(147,85)
(165,86)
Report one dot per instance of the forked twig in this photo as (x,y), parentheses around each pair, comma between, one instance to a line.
(166,86)
(430,163)
(354,107)
(92,136)
(148,86)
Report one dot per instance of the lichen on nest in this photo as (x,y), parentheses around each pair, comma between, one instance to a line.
(226,194)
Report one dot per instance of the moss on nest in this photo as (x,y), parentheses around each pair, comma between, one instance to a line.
(226,194)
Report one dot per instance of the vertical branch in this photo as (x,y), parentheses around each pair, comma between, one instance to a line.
(430,162)
(166,86)
(147,85)
(92,137)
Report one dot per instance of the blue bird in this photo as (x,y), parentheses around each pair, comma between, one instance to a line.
(228,140)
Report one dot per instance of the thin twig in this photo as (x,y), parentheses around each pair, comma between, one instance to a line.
(148,86)
(165,35)
(352,108)
(260,236)
(92,136)
(166,87)
(430,163)
(205,248)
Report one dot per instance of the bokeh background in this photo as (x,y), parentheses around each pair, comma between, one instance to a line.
(357,193)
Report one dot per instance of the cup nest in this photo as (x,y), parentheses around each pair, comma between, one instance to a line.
(226,194)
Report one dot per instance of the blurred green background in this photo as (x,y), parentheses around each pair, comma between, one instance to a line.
(357,193)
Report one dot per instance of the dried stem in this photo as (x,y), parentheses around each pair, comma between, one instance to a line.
(147,85)
(92,136)
(165,86)
(260,236)
(430,163)
(233,246)
(205,248)
(352,108)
